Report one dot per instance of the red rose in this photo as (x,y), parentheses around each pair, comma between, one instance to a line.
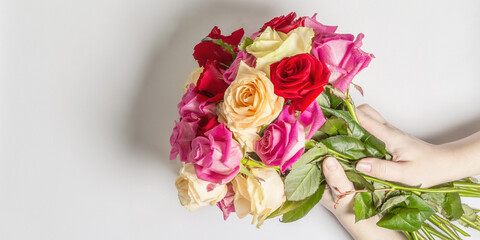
(210,85)
(284,23)
(299,78)
(205,123)
(209,51)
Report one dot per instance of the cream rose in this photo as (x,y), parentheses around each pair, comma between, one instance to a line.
(271,46)
(249,103)
(193,193)
(192,78)
(258,197)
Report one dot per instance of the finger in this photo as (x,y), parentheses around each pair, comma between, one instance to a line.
(382,131)
(336,178)
(368,110)
(383,169)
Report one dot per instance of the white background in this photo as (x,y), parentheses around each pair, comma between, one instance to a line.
(88,94)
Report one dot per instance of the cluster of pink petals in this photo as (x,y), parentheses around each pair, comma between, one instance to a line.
(311,119)
(226,204)
(242,56)
(216,156)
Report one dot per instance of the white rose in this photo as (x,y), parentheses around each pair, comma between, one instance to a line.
(193,193)
(272,46)
(192,78)
(258,197)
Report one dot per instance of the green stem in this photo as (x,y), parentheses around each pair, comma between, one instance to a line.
(350,107)
(425,231)
(431,230)
(448,231)
(472,224)
(453,226)
(408,235)
(338,154)
(467,185)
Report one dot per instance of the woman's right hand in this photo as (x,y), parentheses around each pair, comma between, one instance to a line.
(416,162)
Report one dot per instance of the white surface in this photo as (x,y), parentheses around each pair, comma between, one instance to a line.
(88,94)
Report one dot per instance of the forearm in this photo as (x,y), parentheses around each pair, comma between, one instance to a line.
(465,154)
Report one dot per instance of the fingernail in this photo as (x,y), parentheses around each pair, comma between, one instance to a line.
(331,164)
(364,167)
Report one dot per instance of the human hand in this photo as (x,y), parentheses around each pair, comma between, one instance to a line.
(416,162)
(341,205)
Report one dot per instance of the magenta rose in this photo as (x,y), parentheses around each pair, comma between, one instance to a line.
(282,144)
(226,204)
(342,55)
(192,108)
(182,135)
(318,28)
(311,119)
(230,74)
(216,156)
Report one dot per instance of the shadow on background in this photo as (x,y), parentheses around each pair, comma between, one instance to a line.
(154,110)
(460,131)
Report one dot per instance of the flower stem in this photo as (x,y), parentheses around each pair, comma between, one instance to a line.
(351,108)
(431,230)
(441,226)
(425,231)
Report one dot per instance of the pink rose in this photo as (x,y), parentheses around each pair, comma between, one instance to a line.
(216,156)
(230,74)
(311,119)
(182,135)
(226,204)
(282,144)
(190,107)
(318,28)
(342,55)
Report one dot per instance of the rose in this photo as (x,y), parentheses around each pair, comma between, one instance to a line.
(231,73)
(182,135)
(192,108)
(249,103)
(282,144)
(258,197)
(342,55)
(209,51)
(318,28)
(216,156)
(194,193)
(311,119)
(226,204)
(284,23)
(299,78)
(193,78)
(210,85)
(271,46)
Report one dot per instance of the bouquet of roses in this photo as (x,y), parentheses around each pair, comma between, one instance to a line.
(261,113)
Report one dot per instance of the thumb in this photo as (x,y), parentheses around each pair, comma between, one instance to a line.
(336,178)
(383,169)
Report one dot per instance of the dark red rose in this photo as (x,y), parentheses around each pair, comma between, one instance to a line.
(234,38)
(210,85)
(209,51)
(284,23)
(299,78)
(205,123)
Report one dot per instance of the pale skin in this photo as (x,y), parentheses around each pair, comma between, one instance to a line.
(415,162)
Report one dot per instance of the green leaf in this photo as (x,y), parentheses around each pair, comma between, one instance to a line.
(345,146)
(302,182)
(375,147)
(393,202)
(314,154)
(245,171)
(305,206)
(402,219)
(335,126)
(415,201)
(323,99)
(363,206)
(359,181)
(449,203)
(378,196)
(245,43)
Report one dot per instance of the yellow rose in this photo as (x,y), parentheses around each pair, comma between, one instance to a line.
(192,78)
(249,103)
(271,46)
(258,197)
(193,193)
